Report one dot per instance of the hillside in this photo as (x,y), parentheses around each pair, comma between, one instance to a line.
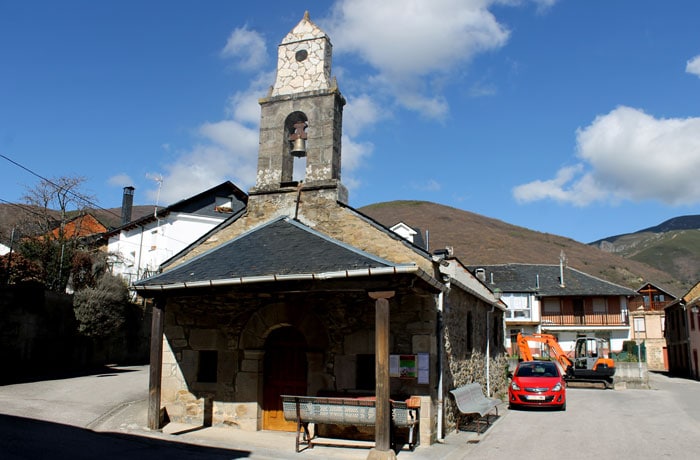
(14,215)
(672,246)
(478,240)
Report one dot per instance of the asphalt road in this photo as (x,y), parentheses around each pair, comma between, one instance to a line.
(663,422)
(103,416)
(78,401)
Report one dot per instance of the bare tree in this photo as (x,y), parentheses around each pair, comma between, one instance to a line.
(53,198)
(52,203)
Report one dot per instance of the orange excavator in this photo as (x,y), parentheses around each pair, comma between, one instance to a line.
(589,364)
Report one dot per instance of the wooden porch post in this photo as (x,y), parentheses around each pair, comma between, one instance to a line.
(156,367)
(382,429)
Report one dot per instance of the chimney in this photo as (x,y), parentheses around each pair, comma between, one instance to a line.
(127,203)
(480,274)
(562,263)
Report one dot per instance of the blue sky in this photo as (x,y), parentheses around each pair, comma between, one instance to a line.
(577,118)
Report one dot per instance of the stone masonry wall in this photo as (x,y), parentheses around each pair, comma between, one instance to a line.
(337,328)
(465,321)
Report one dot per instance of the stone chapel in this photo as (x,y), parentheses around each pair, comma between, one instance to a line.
(287,296)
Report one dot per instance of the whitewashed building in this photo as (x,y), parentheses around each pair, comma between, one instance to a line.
(139,247)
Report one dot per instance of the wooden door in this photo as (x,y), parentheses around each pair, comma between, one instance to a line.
(285,370)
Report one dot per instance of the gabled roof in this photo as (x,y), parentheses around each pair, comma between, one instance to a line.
(646,287)
(544,280)
(281,249)
(80,226)
(415,233)
(203,203)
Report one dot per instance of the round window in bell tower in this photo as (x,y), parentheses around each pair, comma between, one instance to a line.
(301,55)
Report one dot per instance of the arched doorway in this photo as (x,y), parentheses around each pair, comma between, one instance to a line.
(284,372)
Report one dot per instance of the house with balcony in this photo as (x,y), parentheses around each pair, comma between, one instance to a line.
(561,301)
(648,322)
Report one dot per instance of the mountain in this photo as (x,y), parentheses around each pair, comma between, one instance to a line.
(477,239)
(672,246)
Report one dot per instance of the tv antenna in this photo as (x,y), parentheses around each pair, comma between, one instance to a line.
(158,178)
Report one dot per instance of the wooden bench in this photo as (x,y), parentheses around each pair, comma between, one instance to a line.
(343,411)
(471,401)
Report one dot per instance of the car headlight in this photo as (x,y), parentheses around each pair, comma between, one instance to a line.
(514,386)
(557,387)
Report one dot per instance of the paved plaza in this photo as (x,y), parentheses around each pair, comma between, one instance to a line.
(104,415)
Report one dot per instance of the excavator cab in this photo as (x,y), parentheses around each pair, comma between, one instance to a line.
(586,352)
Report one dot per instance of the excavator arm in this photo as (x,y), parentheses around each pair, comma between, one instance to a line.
(550,341)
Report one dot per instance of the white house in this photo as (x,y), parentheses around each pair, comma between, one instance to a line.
(139,247)
(409,233)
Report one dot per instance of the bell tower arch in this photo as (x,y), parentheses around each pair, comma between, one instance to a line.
(301,117)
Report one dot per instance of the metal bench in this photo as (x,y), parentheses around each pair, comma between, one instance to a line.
(470,401)
(343,411)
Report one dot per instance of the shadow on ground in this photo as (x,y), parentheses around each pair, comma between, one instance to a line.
(100,371)
(23,438)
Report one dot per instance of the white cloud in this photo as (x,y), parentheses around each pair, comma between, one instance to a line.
(120,180)
(359,115)
(244,105)
(248,46)
(212,162)
(227,151)
(430,185)
(628,155)
(414,42)
(544,5)
(693,66)
(354,154)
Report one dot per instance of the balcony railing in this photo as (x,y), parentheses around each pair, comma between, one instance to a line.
(588,319)
(656,305)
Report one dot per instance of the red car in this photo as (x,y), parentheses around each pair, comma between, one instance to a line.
(537,384)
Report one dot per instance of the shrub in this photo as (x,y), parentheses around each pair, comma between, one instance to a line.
(101,310)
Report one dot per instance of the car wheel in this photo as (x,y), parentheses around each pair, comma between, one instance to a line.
(562,407)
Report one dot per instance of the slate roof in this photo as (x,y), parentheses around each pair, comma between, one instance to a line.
(543,280)
(279,248)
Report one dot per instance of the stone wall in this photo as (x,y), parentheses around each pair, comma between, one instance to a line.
(655,354)
(39,336)
(465,322)
(337,329)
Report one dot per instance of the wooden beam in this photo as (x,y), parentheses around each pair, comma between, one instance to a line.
(382,428)
(156,367)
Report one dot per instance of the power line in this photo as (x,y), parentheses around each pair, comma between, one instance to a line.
(79,197)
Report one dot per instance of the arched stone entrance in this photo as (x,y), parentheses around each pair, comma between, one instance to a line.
(288,343)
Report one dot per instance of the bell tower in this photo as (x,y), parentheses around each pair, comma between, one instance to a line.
(301,121)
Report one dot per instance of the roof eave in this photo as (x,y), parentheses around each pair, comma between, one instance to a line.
(145,289)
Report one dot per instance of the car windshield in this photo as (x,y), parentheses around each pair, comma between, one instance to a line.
(537,370)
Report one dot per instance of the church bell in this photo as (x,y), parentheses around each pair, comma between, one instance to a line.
(299,147)
(298,139)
